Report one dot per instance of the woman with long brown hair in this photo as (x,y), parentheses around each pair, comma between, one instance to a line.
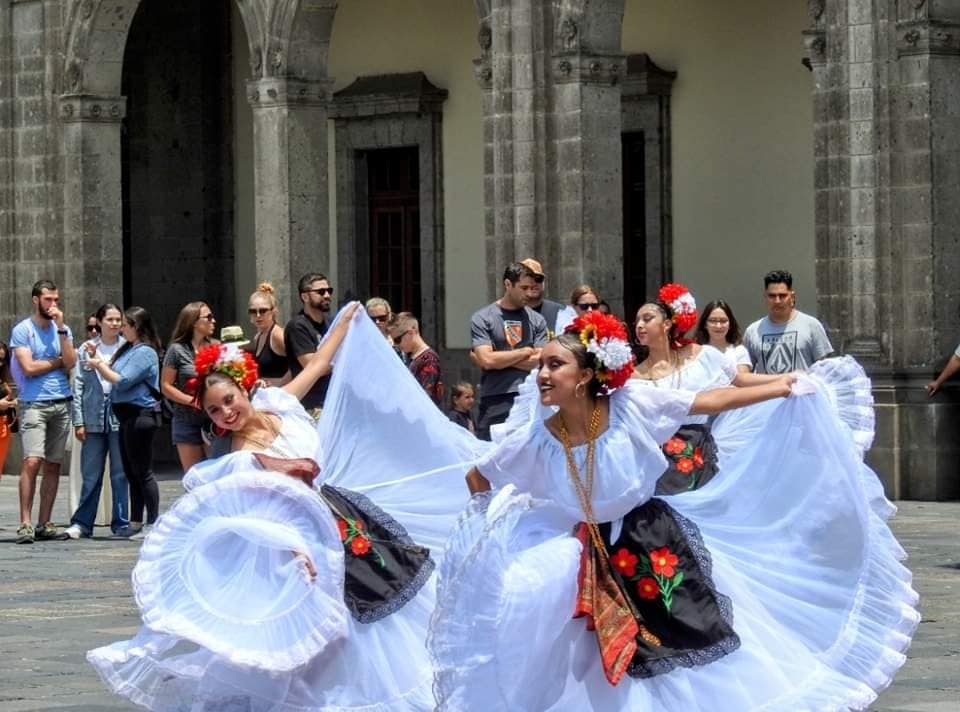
(194,330)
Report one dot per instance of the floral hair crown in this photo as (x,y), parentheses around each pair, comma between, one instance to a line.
(684,308)
(605,337)
(228,359)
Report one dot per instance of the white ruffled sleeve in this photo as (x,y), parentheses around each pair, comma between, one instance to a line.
(279,402)
(514,460)
(658,411)
(741,357)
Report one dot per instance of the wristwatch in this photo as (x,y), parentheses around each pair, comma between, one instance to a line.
(62,332)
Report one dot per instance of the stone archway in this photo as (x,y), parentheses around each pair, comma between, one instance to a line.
(288,93)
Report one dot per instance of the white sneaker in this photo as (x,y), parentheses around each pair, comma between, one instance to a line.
(75,531)
(143,533)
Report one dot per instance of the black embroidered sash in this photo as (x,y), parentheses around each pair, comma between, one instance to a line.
(384,567)
(666,572)
(692,455)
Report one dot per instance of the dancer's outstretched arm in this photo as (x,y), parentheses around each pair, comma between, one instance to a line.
(320,363)
(721,399)
(477,482)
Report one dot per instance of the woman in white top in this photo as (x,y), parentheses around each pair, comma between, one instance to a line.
(271,587)
(572,587)
(718,328)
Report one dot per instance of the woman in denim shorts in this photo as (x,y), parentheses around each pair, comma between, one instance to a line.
(194,330)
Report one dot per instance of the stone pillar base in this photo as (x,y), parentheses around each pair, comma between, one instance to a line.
(917,449)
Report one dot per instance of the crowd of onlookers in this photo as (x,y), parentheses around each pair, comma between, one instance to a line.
(114,390)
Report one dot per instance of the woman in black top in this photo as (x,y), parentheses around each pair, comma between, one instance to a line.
(267,345)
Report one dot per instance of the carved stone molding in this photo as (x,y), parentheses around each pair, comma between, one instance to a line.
(274,91)
(483,73)
(588,68)
(384,94)
(92,108)
(815,44)
(928,37)
(485,38)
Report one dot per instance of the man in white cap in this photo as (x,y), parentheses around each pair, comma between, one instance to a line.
(547,308)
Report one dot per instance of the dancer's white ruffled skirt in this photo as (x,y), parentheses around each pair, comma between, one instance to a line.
(233,621)
(823,607)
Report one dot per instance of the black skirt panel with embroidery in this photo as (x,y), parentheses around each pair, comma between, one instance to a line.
(692,455)
(665,570)
(384,567)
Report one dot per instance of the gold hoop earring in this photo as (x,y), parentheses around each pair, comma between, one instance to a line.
(580,390)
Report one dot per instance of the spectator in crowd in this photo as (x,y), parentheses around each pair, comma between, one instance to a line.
(43,356)
(424,362)
(583,299)
(93,328)
(953,365)
(506,338)
(718,328)
(305,331)
(134,372)
(462,397)
(604,307)
(267,345)
(97,428)
(193,330)
(785,339)
(379,310)
(546,308)
(8,405)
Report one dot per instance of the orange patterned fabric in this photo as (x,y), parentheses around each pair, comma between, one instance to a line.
(607,609)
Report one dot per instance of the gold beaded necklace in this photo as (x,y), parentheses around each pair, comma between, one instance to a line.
(270,428)
(584,489)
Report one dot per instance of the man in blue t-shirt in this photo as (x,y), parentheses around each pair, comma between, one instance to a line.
(43,355)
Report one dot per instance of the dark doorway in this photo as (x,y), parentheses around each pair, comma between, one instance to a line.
(634,223)
(177,159)
(393,192)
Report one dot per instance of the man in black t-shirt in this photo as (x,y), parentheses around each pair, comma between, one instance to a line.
(305,331)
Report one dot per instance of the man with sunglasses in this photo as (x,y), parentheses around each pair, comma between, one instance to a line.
(547,308)
(424,362)
(303,334)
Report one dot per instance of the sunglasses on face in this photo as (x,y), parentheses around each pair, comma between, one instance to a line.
(322,291)
(398,339)
(381,318)
(253,311)
(91,327)
(588,306)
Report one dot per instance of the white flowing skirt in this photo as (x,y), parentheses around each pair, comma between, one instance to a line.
(822,605)
(232,619)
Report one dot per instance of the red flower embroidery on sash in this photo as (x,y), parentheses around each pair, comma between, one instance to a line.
(648,588)
(624,562)
(355,539)
(663,562)
(685,465)
(360,545)
(675,446)
(344,529)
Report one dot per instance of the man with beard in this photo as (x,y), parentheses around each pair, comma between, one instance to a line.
(505,340)
(547,308)
(303,334)
(43,356)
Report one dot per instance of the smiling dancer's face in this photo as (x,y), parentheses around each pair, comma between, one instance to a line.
(559,375)
(227,405)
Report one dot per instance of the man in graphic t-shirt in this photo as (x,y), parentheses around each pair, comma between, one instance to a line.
(506,338)
(786,339)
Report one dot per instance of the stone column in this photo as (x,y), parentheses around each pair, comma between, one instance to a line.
(887,144)
(92,213)
(552,139)
(290,182)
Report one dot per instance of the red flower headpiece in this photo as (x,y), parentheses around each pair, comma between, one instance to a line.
(605,337)
(229,360)
(684,308)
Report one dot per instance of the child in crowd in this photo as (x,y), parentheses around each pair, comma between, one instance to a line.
(461,405)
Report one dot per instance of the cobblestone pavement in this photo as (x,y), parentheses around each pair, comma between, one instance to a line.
(59,599)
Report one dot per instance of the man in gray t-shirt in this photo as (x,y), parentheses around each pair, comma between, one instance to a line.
(506,338)
(786,339)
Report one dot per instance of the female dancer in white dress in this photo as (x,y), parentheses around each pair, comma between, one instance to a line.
(572,588)
(267,587)
(702,444)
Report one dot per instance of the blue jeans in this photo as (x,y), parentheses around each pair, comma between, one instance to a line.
(93,455)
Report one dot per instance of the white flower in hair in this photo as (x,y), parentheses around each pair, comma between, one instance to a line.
(612,353)
(685,304)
